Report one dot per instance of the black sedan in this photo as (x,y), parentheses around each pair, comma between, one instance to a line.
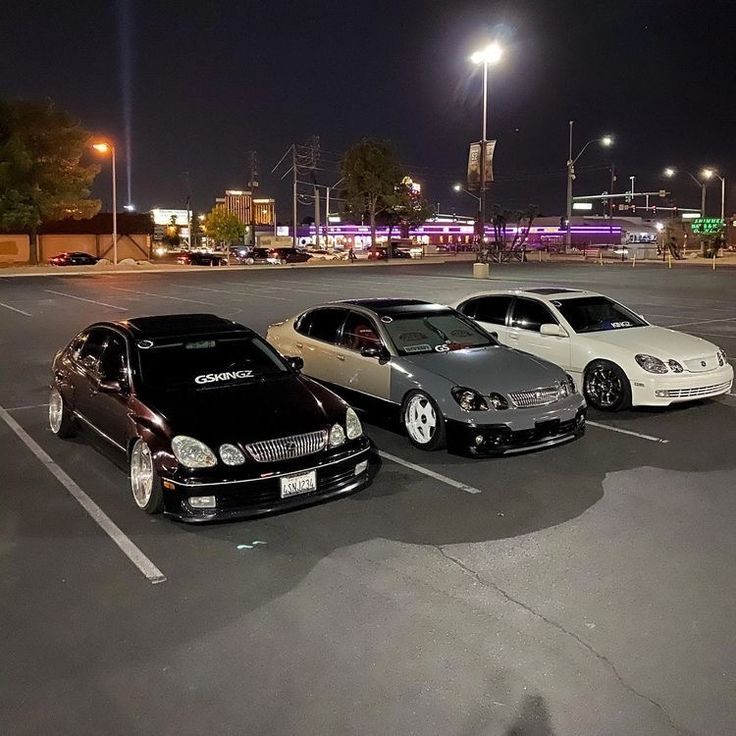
(73,258)
(208,418)
(201,258)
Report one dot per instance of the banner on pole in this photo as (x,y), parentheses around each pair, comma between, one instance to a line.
(474,158)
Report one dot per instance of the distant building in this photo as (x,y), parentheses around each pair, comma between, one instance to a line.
(240,203)
(264,211)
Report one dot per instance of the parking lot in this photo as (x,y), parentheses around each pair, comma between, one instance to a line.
(584,589)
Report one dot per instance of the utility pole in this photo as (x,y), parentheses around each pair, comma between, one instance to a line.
(294,192)
(317,222)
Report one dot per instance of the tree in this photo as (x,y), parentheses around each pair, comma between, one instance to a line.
(172,239)
(503,249)
(372,173)
(405,208)
(41,173)
(223,227)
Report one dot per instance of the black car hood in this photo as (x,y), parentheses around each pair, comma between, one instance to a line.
(249,412)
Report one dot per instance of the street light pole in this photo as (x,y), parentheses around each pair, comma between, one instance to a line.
(104,148)
(708,174)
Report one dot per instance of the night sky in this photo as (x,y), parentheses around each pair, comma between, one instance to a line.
(207,82)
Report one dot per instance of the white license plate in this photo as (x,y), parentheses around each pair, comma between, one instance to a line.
(294,485)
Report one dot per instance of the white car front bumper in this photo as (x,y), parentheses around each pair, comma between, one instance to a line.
(672,388)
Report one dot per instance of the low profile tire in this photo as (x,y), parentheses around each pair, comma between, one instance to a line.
(61,420)
(423,422)
(145,485)
(606,387)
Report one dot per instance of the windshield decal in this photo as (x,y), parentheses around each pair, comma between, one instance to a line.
(624,323)
(416,348)
(444,348)
(226,376)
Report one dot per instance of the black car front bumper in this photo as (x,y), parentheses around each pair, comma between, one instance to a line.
(489,440)
(258,491)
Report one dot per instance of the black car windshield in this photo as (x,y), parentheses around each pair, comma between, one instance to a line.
(597,313)
(434,332)
(206,362)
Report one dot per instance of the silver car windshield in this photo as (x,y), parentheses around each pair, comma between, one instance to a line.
(597,313)
(434,332)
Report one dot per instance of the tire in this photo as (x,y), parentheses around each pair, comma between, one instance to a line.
(423,422)
(249,261)
(61,420)
(145,484)
(606,387)
(283,261)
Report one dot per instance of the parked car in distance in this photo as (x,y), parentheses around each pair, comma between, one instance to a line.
(381,253)
(202,258)
(615,356)
(210,421)
(73,258)
(451,382)
(276,256)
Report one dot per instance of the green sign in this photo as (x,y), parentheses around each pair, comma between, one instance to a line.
(707,225)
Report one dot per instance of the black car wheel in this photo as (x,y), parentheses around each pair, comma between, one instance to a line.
(283,261)
(606,387)
(61,420)
(145,485)
(423,422)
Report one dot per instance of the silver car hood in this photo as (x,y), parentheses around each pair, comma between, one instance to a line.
(489,369)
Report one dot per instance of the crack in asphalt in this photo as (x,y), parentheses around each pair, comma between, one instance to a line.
(550,622)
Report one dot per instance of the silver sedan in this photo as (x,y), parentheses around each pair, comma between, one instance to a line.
(451,381)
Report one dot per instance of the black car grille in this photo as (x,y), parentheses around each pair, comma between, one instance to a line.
(287,448)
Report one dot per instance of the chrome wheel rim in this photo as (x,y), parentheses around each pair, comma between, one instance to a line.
(141,474)
(603,386)
(420,419)
(56,411)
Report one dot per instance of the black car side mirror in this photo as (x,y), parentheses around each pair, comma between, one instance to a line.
(296,362)
(375,352)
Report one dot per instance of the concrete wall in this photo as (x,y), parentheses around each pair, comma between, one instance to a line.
(14,249)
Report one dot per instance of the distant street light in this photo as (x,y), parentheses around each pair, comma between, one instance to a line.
(606,141)
(669,172)
(461,188)
(489,56)
(103,147)
(709,174)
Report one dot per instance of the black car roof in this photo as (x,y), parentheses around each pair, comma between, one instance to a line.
(173,325)
(551,290)
(388,306)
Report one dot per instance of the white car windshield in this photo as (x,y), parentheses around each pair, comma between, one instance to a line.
(597,313)
(434,332)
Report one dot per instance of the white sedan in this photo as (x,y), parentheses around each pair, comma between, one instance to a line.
(615,356)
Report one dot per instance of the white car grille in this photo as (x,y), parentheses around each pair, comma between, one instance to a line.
(286,448)
(693,393)
(535,397)
(702,364)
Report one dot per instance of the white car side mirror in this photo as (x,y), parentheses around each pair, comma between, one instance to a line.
(553,330)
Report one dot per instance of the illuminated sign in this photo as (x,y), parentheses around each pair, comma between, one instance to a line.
(163,216)
(690,215)
(707,225)
(582,205)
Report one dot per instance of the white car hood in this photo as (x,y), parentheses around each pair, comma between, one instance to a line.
(657,341)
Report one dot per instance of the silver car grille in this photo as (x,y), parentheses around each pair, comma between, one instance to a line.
(286,448)
(693,393)
(702,364)
(535,397)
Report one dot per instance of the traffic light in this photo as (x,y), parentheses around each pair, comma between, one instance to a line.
(633,209)
(654,209)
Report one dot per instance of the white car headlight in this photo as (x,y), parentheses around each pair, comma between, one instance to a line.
(192,453)
(650,364)
(337,435)
(722,359)
(231,455)
(352,425)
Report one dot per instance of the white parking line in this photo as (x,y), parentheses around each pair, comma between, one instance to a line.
(703,322)
(91,301)
(162,296)
(629,432)
(425,471)
(236,293)
(132,552)
(26,406)
(15,309)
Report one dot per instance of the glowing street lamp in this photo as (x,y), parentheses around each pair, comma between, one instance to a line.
(461,188)
(669,172)
(103,147)
(606,141)
(488,56)
(709,174)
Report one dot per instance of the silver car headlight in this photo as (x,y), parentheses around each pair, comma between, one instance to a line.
(567,387)
(650,364)
(352,425)
(231,455)
(469,399)
(337,435)
(192,453)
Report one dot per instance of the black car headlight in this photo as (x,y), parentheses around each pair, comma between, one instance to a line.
(353,427)
(231,455)
(192,453)
(337,435)
(650,364)
(469,399)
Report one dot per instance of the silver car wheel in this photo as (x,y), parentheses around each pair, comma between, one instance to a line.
(604,386)
(141,474)
(56,411)
(420,419)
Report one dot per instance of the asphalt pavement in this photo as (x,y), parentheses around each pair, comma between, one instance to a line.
(585,589)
